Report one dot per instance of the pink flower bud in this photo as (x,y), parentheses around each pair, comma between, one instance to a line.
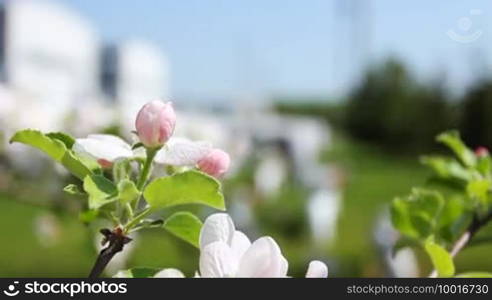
(215,163)
(481,151)
(155,123)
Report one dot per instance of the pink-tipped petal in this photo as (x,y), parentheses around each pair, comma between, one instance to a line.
(216,163)
(182,152)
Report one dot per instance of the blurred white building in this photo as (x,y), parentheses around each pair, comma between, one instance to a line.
(49,58)
(53,65)
(133,73)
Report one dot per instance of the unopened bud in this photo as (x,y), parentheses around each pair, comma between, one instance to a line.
(215,163)
(481,151)
(155,123)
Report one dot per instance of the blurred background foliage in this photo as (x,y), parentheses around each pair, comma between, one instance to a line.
(387,122)
(391,109)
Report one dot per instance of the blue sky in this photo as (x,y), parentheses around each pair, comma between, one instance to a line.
(226,49)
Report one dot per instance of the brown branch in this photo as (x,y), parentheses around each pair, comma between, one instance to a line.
(116,241)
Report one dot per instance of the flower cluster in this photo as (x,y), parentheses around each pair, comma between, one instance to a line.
(155,125)
(130,197)
(227,252)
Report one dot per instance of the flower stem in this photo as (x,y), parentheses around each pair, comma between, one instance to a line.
(144,174)
(136,219)
(129,210)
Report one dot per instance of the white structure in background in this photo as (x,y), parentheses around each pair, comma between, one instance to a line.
(404,262)
(271,171)
(134,73)
(323,208)
(49,60)
(294,144)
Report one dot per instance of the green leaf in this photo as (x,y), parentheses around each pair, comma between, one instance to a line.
(474,275)
(137,273)
(484,165)
(400,217)
(149,223)
(185,226)
(441,259)
(454,218)
(127,191)
(453,140)
(447,168)
(422,223)
(185,188)
(428,202)
(62,137)
(478,189)
(73,189)
(101,191)
(55,147)
(75,165)
(417,214)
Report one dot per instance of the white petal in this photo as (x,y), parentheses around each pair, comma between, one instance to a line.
(182,152)
(263,259)
(240,243)
(317,269)
(112,139)
(109,148)
(284,266)
(217,260)
(217,227)
(169,273)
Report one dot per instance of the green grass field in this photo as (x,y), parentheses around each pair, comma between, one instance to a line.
(23,254)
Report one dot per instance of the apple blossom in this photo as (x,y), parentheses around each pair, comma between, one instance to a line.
(103,148)
(155,123)
(226,252)
(215,163)
(181,152)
